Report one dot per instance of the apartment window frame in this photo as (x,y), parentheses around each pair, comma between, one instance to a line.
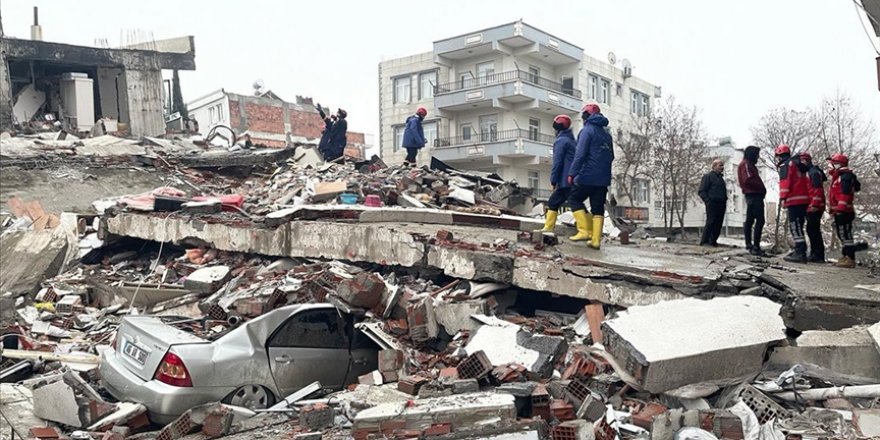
(491,134)
(397,99)
(599,88)
(430,85)
(435,123)
(618,89)
(641,189)
(483,78)
(534,178)
(398,139)
(592,85)
(470,131)
(640,103)
(215,114)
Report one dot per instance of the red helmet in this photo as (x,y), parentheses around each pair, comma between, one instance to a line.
(839,158)
(422,112)
(806,156)
(563,120)
(590,109)
(782,149)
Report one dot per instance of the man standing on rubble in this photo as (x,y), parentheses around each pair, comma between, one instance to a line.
(337,141)
(325,133)
(815,209)
(590,175)
(713,191)
(563,155)
(841,198)
(414,136)
(794,192)
(754,191)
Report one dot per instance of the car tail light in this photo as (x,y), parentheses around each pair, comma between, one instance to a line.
(173,372)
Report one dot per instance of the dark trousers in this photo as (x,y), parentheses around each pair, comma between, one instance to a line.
(411,154)
(596,194)
(558,198)
(714,220)
(754,219)
(797,217)
(332,154)
(814,233)
(843,226)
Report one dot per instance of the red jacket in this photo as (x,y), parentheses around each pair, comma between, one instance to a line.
(749,180)
(841,195)
(794,185)
(817,189)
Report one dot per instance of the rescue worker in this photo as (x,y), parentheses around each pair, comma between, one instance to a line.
(794,193)
(815,209)
(563,154)
(338,132)
(325,133)
(713,192)
(590,175)
(414,136)
(841,196)
(754,191)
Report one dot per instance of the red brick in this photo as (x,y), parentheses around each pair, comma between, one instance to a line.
(44,432)
(438,429)
(563,411)
(411,384)
(391,426)
(450,372)
(644,418)
(475,366)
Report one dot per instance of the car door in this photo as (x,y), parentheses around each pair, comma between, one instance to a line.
(364,353)
(310,345)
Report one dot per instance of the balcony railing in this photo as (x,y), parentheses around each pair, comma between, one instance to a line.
(541,194)
(506,77)
(495,136)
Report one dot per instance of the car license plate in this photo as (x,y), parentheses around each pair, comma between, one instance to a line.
(132,351)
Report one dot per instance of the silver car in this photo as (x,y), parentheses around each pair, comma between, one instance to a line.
(253,365)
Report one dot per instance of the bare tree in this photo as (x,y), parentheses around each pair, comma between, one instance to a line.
(633,151)
(679,156)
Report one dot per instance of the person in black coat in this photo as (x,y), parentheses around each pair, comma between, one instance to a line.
(336,143)
(713,191)
(325,133)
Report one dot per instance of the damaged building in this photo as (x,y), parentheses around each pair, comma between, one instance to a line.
(53,83)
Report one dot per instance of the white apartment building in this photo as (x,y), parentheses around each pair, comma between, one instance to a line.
(491,97)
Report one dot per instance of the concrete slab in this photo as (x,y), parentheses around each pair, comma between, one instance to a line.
(462,410)
(849,354)
(505,343)
(29,258)
(17,410)
(722,340)
(456,316)
(207,280)
(874,333)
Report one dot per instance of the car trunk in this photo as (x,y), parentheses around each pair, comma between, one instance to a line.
(143,341)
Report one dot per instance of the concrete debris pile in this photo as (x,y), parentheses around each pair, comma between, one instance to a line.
(365,301)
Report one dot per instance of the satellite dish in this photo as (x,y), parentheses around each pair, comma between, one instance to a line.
(612,58)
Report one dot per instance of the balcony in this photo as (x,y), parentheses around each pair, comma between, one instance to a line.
(516,39)
(511,90)
(505,143)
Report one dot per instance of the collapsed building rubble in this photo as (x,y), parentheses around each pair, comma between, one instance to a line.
(476,327)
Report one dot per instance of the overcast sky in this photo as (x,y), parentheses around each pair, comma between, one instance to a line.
(734,59)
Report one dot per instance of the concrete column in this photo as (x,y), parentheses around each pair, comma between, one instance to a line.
(144,96)
(5,93)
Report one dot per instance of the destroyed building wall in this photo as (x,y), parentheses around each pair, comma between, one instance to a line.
(127,82)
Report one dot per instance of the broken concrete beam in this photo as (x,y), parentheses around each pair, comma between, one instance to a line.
(506,343)
(29,257)
(365,290)
(720,340)
(874,333)
(867,421)
(456,316)
(58,402)
(461,411)
(207,280)
(476,265)
(328,190)
(849,354)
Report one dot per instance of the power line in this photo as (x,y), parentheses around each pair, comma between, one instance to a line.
(858,5)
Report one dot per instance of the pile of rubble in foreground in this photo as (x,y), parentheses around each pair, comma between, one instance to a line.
(430,355)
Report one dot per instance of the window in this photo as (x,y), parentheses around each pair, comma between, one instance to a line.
(639,103)
(463,80)
(401,90)
(534,179)
(568,85)
(485,71)
(641,191)
(215,114)
(310,329)
(466,130)
(534,74)
(600,89)
(398,137)
(427,81)
(618,89)
(430,129)
(488,128)
(534,128)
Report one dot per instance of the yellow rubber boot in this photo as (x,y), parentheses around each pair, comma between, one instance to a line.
(549,221)
(582,222)
(596,241)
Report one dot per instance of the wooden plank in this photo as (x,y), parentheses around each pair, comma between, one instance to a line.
(595,315)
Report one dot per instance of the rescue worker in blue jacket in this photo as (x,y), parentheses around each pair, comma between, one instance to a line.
(590,175)
(563,155)
(414,136)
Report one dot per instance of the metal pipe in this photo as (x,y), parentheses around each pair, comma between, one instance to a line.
(859,391)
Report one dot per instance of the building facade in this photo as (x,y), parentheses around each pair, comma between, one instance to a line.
(267,119)
(491,97)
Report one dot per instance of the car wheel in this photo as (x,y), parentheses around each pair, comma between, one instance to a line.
(251,397)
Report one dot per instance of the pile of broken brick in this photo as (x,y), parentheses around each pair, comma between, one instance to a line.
(457,358)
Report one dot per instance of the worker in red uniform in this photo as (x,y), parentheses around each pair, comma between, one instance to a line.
(815,209)
(794,192)
(841,195)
